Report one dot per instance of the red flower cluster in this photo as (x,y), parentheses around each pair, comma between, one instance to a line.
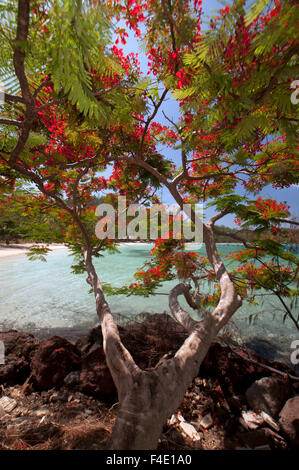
(271,208)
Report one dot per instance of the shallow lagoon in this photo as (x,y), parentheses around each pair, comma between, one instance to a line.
(46,298)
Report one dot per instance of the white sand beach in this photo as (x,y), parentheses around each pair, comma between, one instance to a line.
(22,248)
(14,249)
(135,243)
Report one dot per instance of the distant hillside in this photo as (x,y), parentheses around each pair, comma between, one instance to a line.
(286,235)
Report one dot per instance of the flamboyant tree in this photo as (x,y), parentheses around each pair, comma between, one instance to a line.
(76,103)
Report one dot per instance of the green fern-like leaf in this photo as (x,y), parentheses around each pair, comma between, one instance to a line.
(256,8)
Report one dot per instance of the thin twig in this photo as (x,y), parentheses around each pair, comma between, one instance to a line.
(271,369)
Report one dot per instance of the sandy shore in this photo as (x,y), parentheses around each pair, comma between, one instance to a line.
(135,243)
(20,249)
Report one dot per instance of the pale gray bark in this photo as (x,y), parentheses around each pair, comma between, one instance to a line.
(148,397)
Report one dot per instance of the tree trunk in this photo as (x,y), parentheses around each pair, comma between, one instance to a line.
(148,397)
(155,394)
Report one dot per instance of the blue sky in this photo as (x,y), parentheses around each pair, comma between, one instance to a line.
(290,195)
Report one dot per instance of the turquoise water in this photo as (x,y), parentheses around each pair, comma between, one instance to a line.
(37,296)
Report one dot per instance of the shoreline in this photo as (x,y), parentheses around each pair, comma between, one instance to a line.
(15,249)
(7,251)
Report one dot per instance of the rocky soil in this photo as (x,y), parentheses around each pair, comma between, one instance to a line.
(58,394)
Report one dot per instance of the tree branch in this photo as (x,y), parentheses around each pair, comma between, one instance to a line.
(286,221)
(19,66)
(176,310)
(149,120)
(120,362)
(11,122)
(218,216)
(41,86)
(19,54)
(13,99)
(233,236)
(173,26)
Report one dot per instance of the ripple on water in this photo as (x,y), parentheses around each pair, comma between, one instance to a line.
(37,296)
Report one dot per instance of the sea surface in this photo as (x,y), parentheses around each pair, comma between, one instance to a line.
(46,298)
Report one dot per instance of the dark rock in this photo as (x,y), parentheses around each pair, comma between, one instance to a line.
(289,421)
(276,441)
(85,343)
(19,348)
(53,361)
(95,378)
(19,344)
(233,372)
(72,380)
(147,342)
(236,403)
(254,438)
(15,372)
(268,394)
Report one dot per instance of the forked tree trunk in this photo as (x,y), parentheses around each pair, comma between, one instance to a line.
(148,397)
(154,395)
